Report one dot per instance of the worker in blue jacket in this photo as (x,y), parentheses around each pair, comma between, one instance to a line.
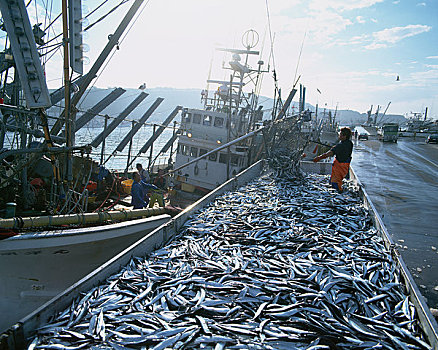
(139,190)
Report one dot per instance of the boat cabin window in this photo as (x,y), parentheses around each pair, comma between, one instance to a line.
(193,151)
(234,160)
(223,158)
(187,118)
(207,120)
(213,157)
(202,151)
(218,122)
(184,149)
(197,118)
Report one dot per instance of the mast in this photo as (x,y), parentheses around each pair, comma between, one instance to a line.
(68,125)
(229,126)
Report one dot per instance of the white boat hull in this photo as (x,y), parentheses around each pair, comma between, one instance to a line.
(36,267)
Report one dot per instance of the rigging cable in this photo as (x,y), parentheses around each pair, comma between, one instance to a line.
(272,55)
(270,33)
(107,14)
(98,7)
(48,16)
(121,40)
(90,26)
(299,56)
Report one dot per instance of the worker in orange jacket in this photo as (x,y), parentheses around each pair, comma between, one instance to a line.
(342,152)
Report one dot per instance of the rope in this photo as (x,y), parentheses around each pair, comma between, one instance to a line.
(85,187)
(118,194)
(109,192)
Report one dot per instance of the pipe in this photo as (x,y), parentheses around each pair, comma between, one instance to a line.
(228,144)
(51,150)
(78,219)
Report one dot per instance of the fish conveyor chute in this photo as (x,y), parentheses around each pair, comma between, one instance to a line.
(129,136)
(112,42)
(99,107)
(168,144)
(121,117)
(157,133)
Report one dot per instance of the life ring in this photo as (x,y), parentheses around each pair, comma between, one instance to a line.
(196,170)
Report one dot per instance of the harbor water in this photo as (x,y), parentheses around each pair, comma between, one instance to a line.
(119,161)
(401,179)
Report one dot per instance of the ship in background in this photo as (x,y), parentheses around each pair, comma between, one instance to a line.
(231,111)
(415,124)
(419,124)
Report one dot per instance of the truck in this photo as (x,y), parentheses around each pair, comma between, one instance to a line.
(388,132)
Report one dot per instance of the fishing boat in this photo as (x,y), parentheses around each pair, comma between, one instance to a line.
(213,142)
(37,265)
(231,109)
(418,125)
(64,213)
(88,319)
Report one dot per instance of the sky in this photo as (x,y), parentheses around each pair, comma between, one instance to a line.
(348,53)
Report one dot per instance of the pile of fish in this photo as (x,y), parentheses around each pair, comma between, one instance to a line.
(286,163)
(285,154)
(278,264)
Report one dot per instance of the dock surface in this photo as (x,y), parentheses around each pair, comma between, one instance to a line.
(402,181)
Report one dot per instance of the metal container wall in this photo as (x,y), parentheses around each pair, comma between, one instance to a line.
(15,337)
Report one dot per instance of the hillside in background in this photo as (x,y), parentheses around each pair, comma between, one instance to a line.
(191,98)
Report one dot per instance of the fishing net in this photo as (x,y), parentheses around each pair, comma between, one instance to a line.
(285,149)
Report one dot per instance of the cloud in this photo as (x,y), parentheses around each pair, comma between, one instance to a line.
(396,2)
(375,46)
(320,27)
(393,35)
(327,25)
(360,19)
(373,20)
(425,78)
(342,5)
(432,57)
(386,37)
(421,4)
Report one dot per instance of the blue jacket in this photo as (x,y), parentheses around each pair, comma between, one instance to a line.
(138,193)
